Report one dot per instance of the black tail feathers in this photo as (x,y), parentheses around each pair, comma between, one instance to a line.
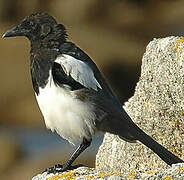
(162,152)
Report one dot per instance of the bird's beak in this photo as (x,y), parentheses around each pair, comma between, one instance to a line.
(15,31)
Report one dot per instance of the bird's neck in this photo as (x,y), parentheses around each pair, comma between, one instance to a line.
(46,44)
(42,51)
(42,56)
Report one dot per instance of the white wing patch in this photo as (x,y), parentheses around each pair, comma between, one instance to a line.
(79,71)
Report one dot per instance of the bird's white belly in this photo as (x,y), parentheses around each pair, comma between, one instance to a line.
(69,117)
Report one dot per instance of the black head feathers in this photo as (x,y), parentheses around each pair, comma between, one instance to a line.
(38,27)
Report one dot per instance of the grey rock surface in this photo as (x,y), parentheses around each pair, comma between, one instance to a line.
(157,107)
(176,172)
(79,174)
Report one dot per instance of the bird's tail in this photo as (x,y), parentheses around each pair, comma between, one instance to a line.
(162,152)
(129,131)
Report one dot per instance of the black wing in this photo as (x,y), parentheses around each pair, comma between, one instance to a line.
(61,78)
(69,48)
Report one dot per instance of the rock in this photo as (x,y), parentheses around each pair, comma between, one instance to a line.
(79,173)
(157,107)
(174,172)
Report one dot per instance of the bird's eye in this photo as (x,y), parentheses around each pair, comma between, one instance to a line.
(28,24)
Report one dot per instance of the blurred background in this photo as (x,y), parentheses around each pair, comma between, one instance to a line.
(113,32)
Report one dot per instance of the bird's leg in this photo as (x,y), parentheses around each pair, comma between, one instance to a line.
(68,165)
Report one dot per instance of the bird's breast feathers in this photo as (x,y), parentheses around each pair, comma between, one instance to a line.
(63,112)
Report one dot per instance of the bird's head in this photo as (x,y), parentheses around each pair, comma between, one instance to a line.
(38,27)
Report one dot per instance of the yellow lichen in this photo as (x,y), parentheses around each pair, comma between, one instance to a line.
(118,173)
(69,175)
(101,175)
(72,175)
(178,42)
(181,168)
(176,122)
(53,178)
(90,177)
(167,178)
(151,172)
(108,173)
(131,175)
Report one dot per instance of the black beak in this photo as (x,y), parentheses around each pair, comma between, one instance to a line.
(15,31)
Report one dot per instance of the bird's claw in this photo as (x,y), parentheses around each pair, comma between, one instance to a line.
(58,168)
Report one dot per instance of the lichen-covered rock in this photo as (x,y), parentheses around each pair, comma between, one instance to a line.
(79,174)
(157,107)
(176,172)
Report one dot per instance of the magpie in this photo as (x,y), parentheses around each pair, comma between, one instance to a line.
(72,94)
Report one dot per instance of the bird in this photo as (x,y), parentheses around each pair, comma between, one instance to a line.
(72,94)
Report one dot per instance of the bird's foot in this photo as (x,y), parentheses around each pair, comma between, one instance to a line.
(58,168)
